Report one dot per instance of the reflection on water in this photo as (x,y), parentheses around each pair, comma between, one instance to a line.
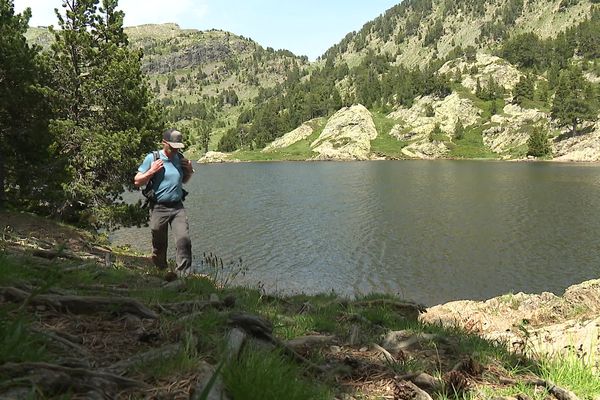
(431,231)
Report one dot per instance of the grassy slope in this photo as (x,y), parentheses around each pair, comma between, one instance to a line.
(356,369)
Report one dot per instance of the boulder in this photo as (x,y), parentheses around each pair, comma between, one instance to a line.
(534,324)
(416,125)
(426,150)
(347,135)
(579,147)
(508,130)
(300,133)
(216,157)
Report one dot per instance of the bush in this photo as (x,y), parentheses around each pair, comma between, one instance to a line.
(538,144)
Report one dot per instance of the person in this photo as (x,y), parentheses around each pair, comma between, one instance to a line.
(167,173)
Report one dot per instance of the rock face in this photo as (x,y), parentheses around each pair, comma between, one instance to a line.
(426,150)
(487,66)
(584,147)
(416,125)
(446,113)
(300,133)
(555,325)
(508,131)
(347,135)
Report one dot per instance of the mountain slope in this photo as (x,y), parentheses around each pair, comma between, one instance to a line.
(416,32)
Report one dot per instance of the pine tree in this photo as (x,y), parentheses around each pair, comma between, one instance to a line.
(24,113)
(459,130)
(537,144)
(104,118)
(524,89)
(573,102)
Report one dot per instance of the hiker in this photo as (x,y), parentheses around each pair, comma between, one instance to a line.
(164,172)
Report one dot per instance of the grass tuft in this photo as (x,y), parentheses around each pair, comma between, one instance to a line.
(269,376)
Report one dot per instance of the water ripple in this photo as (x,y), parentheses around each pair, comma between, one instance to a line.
(430,231)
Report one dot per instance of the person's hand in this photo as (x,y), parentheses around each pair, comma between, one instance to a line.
(156,166)
(187,165)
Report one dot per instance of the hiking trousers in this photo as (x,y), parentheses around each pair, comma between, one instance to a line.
(163,215)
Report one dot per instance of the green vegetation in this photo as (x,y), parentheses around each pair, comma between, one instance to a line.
(538,144)
(471,146)
(259,376)
(385,144)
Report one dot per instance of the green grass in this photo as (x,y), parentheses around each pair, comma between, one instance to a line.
(471,146)
(385,144)
(572,372)
(259,375)
(17,342)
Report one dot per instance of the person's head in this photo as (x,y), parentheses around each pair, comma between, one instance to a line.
(172,141)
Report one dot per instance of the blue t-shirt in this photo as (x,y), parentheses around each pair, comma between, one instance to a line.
(166,182)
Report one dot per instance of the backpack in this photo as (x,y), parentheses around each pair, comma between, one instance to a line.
(148,191)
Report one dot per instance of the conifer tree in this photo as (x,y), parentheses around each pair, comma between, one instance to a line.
(104,118)
(574,101)
(24,113)
(537,144)
(459,130)
(524,89)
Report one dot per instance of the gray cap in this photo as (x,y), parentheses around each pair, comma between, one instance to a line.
(174,138)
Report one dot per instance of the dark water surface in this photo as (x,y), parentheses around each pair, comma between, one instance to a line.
(431,231)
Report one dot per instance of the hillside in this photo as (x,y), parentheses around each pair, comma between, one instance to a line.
(202,77)
(468,79)
(441,78)
(416,32)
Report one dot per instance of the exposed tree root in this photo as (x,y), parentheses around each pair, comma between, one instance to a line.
(52,378)
(79,304)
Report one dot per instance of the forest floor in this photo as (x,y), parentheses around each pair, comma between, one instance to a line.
(79,319)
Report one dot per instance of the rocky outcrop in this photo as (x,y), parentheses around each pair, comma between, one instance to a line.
(532,323)
(446,113)
(347,135)
(507,129)
(200,52)
(487,66)
(415,125)
(216,157)
(581,147)
(426,150)
(300,133)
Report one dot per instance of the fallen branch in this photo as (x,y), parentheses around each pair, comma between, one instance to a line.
(79,304)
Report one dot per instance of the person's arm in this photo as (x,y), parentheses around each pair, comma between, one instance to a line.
(141,178)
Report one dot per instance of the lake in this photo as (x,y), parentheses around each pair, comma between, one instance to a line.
(430,231)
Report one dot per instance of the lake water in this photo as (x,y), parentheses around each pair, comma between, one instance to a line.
(431,231)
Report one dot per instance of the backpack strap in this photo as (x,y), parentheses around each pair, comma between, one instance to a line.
(156,156)
(150,183)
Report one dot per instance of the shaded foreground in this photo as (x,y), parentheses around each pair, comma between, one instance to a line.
(81,320)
